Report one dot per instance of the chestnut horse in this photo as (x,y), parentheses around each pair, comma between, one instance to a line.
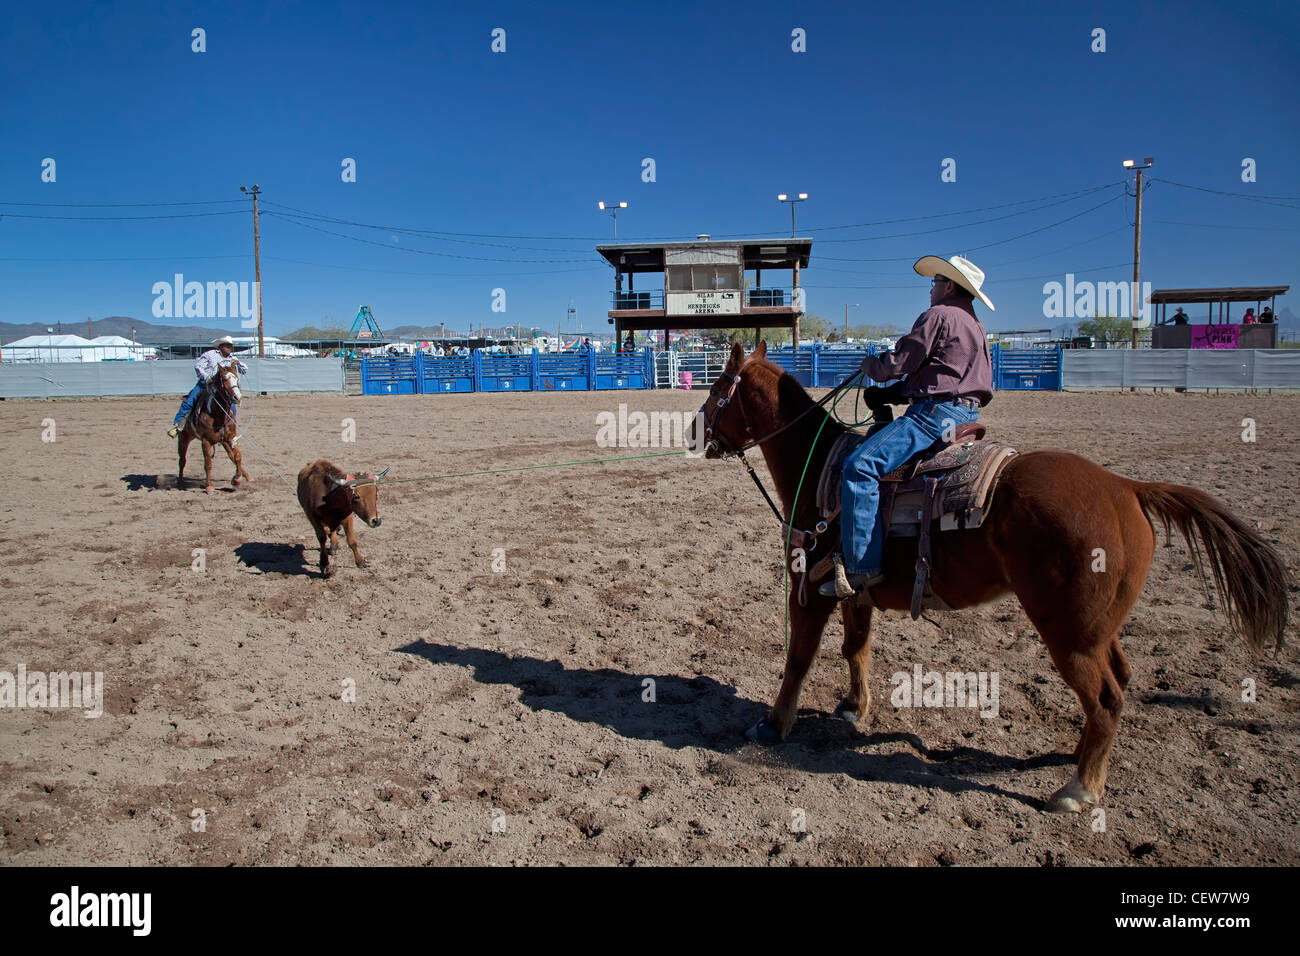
(211,422)
(1050,513)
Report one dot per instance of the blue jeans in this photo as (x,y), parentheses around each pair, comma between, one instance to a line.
(861,523)
(188,404)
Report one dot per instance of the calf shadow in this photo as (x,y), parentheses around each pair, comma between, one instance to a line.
(701,712)
(146,482)
(275,558)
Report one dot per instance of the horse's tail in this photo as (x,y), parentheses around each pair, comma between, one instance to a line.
(1249,577)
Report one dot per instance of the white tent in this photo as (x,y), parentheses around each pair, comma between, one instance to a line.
(50,348)
(119,348)
(279,350)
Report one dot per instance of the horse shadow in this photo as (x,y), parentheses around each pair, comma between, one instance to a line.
(700,712)
(145,482)
(169,483)
(275,558)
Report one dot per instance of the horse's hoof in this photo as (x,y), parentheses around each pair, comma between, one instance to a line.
(1072,798)
(763,733)
(844,712)
(209,490)
(235,481)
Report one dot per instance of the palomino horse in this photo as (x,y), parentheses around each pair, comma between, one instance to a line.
(212,422)
(1051,511)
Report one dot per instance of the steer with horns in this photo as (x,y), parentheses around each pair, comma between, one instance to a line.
(330,498)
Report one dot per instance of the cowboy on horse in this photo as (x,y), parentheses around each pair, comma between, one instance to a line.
(949,377)
(206,367)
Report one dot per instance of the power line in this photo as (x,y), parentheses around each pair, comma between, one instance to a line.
(116,205)
(483,235)
(1219,192)
(424,252)
(988,245)
(179,215)
(993,285)
(462,275)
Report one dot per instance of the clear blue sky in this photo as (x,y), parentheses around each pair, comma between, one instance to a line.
(449,136)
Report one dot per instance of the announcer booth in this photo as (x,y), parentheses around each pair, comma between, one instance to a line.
(1215,328)
(702,285)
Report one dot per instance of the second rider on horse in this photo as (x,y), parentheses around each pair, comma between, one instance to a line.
(949,376)
(209,363)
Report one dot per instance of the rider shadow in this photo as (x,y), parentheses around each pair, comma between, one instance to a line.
(274,558)
(701,712)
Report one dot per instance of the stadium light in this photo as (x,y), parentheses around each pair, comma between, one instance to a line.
(612,208)
(784,198)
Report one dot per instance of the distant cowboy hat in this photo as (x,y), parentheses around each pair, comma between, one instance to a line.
(961,271)
(224,340)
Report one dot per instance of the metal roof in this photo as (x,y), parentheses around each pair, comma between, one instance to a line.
(1232,293)
(758,253)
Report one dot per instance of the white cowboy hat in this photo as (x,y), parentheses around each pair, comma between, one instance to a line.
(224,340)
(961,271)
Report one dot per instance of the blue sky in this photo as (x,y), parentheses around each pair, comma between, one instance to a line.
(451,137)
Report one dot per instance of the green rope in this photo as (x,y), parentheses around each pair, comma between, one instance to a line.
(785,560)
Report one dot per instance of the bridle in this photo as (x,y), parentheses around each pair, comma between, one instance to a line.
(711,442)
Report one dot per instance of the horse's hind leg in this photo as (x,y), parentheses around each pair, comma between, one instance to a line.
(857,651)
(182,446)
(806,626)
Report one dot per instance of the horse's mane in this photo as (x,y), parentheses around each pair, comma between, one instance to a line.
(793,399)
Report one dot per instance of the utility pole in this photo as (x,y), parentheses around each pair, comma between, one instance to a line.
(1135,303)
(257,267)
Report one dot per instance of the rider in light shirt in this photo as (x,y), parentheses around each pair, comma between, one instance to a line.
(208,365)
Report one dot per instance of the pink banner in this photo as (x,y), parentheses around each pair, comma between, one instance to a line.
(1215,336)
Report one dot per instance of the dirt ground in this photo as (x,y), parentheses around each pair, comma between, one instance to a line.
(500,715)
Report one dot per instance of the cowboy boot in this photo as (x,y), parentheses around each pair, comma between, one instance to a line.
(844,585)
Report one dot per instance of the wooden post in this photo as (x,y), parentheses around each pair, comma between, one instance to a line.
(1137,258)
(794,326)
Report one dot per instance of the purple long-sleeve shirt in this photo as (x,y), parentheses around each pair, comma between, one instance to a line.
(946,353)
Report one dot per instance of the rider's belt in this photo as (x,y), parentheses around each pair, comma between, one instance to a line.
(968,402)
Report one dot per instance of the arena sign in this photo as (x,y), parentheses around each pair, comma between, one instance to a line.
(704,303)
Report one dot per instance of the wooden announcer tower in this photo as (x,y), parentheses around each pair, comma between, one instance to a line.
(707,285)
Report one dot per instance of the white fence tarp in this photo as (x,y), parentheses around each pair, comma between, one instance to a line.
(65,380)
(1180,368)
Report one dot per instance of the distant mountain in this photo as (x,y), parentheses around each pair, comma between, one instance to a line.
(146,333)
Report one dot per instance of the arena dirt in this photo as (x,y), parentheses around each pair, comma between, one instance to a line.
(499,716)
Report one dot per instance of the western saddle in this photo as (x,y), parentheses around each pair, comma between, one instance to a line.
(951,482)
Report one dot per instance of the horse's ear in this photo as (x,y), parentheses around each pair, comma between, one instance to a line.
(737,355)
(761,351)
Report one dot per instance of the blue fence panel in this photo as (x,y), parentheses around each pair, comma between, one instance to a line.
(565,371)
(504,373)
(445,375)
(625,370)
(799,365)
(389,376)
(1027,369)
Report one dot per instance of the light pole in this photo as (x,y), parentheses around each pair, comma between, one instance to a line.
(612,208)
(784,198)
(257,267)
(49,331)
(1137,244)
(846,319)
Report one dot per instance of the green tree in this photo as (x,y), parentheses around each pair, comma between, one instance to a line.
(1109,328)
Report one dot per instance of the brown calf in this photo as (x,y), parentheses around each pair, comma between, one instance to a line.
(330,498)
